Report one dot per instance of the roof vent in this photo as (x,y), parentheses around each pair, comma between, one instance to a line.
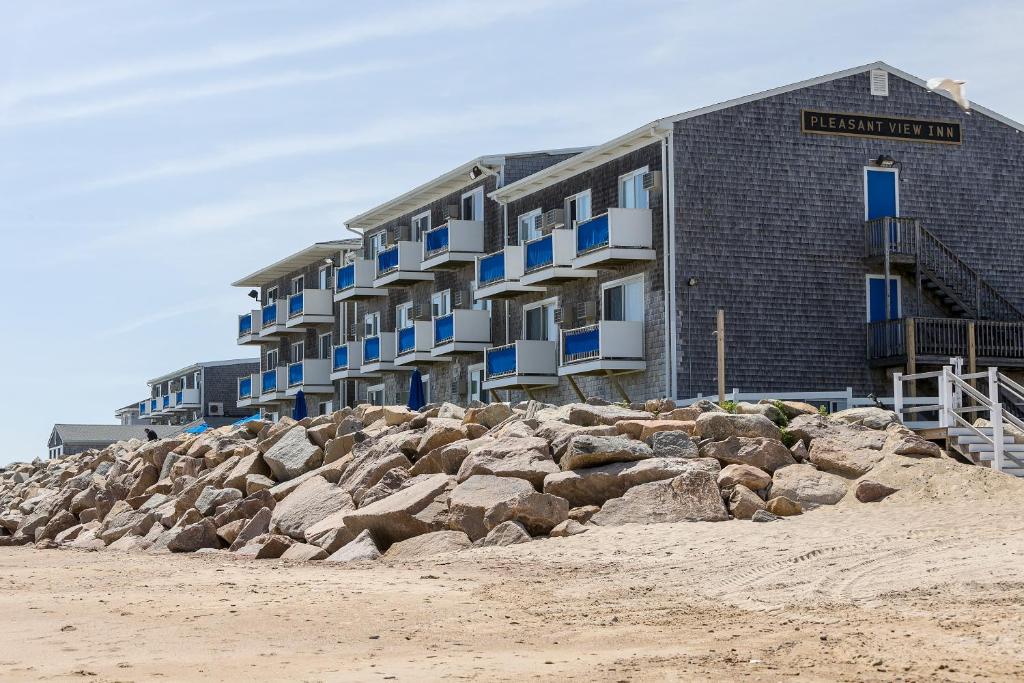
(880,82)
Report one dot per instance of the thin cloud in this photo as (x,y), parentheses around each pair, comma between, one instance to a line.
(446,16)
(159,316)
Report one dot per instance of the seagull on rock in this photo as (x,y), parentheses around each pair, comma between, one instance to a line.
(954,87)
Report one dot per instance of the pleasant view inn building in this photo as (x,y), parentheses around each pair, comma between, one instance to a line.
(848,226)
(203,391)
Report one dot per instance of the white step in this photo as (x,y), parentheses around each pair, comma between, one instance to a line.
(1016,448)
(974,438)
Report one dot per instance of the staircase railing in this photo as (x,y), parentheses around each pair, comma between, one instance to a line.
(907,237)
(1014,395)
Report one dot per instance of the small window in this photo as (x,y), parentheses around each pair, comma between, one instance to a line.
(271,295)
(577,208)
(473,205)
(529,226)
(420,224)
(323,408)
(298,352)
(624,300)
(298,284)
(375,394)
(632,194)
(326,342)
(323,277)
(441,303)
(371,324)
(378,241)
(539,321)
(403,316)
(476,380)
(271,359)
(478,304)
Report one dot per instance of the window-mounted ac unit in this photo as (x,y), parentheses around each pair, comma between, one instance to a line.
(400,233)
(421,310)
(452,212)
(586,311)
(554,218)
(353,331)
(457,298)
(562,315)
(454,388)
(651,181)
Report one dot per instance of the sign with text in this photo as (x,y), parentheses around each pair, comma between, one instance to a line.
(871,126)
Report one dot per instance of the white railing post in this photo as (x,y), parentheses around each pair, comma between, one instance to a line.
(897,394)
(848,398)
(945,398)
(993,384)
(997,437)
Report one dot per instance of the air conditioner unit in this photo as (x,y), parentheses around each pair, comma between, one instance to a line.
(215,409)
(555,218)
(401,233)
(353,331)
(451,211)
(559,315)
(454,388)
(586,310)
(652,181)
(457,298)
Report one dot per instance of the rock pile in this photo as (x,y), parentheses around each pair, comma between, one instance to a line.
(387,481)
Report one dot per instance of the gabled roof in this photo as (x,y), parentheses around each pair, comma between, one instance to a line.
(441,186)
(297,261)
(657,129)
(196,366)
(72,434)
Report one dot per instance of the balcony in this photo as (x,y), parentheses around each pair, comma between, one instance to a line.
(273,385)
(523,363)
(249,328)
(548,259)
(379,354)
(310,376)
(274,321)
(414,344)
(610,346)
(154,407)
(184,400)
(310,307)
(248,393)
(163,406)
(453,244)
(936,340)
(399,265)
(144,408)
(615,238)
(498,275)
(354,282)
(347,361)
(463,330)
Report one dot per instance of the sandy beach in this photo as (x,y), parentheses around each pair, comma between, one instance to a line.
(918,587)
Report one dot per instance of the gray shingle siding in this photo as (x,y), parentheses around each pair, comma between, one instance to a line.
(771,221)
(220,385)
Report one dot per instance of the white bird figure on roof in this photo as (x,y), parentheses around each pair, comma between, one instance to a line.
(954,87)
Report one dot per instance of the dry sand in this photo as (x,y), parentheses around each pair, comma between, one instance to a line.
(923,586)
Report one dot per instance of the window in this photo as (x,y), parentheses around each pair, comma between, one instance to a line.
(271,295)
(529,226)
(577,208)
(375,394)
(624,299)
(378,241)
(420,224)
(297,352)
(403,316)
(426,387)
(473,205)
(326,342)
(539,321)
(632,194)
(476,380)
(371,324)
(298,284)
(323,277)
(324,408)
(478,304)
(441,303)
(271,360)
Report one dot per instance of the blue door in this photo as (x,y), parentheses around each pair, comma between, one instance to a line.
(876,299)
(881,199)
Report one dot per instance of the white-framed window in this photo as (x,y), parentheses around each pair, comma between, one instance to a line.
(298,284)
(420,224)
(623,299)
(426,386)
(271,295)
(472,205)
(297,352)
(403,316)
(441,303)
(371,324)
(323,277)
(577,208)
(326,343)
(632,194)
(324,408)
(529,225)
(272,359)
(476,382)
(539,320)
(378,242)
(375,394)
(478,304)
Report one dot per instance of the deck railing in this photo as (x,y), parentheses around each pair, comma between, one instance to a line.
(435,241)
(945,337)
(340,357)
(500,361)
(540,253)
(245,324)
(345,277)
(490,268)
(581,344)
(387,260)
(592,234)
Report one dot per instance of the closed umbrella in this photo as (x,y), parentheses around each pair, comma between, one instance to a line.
(416,398)
(299,411)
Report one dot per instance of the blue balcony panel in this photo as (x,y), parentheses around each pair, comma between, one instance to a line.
(444,329)
(295,305)
(582,343)
(539,253)
(269,314)
(340,357)
(295,374)
(592,234)
(245,325)
(406,339)
(245,387)
(492,268)
(501,361)
(345,277)
(179,398)
(387,260)
(371,349)
(269,381)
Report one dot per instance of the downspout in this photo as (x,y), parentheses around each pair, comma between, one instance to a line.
(504,227)
(666,272)
(673,332)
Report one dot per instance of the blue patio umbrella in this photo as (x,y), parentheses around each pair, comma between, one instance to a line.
(416,398)
(299,411)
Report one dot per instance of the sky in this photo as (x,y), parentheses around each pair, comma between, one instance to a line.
(152,152)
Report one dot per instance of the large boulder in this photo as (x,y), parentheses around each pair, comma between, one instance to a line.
(506,533)
(440,431)
(489,416)
(188,539)
(399,517)
(591,415)
(869,491)
(762,453)
(721,426)
(783,507)
(253,529)
(370,464)
(446,459)
(211,498)
(527,458)
(692,496)
(310,503)
(471,499)
(743,502)
(595,485)
(304,552)
(765,408)
(60,522)
(122,520)
(591,451)
(558,434)
(250,465)
(360,549)
(845,458)
(434,543)
(746,475)
(808,486)
(293,454)
(673,444)
(538,512)
(644,429)
(870,417)
(393,481)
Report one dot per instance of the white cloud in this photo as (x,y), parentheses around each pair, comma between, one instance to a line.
(169,313)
